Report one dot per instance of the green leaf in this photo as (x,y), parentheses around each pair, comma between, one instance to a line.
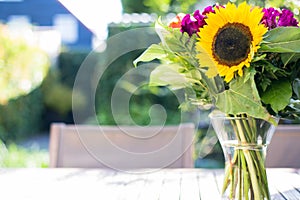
(278,95)
(168,75)
(182,45)
(296,87)
(282,40)
(280,34)
(289,57)
(162,31)
(282,47)
(242,97)
(155,51)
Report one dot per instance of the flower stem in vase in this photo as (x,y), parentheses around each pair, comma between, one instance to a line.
(244,142)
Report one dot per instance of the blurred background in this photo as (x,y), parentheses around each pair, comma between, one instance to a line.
(42,46)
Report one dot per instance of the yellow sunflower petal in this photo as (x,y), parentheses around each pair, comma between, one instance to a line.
(228,77)
(206,61)
(223,70)
(240,72)
(256,15)
(229,11)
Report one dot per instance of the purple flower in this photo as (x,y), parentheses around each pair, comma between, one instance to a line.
(270,17)
(191,24)
(208,9)
(200,18)
(286,18)
(273,18)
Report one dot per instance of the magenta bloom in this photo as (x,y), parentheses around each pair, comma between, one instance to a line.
(200,18)
(191,24)
(270,17)
(208,9)
(273,18)
(286,18)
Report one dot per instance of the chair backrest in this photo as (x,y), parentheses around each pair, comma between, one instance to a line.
(121,147)
(284,149)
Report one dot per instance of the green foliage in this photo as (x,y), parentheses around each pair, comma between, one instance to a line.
(58,90)
(140,101)
(278,95)
(16,156)
(23,66)
(242,97)
(159,7)
(168,75)
(277,40)
(21,117)
(278,71)
(57,95)
(187,6)
(69,63)
(154,51)
(130,6)
(140,111)
(296,87)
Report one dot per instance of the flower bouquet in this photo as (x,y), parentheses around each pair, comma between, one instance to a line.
(243,61)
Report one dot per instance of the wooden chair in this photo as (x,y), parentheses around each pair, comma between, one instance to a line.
(121,147)
(284,149)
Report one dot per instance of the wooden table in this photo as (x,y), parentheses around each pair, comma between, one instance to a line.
(143,184)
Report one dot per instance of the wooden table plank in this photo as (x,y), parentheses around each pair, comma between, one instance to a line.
(170,188)
(133,184)
(95,184)
(32,184)
(219,177)
(208,185)
(289,188)
(152,186)
(189,186)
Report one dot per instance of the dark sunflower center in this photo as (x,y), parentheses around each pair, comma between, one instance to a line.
(232,44)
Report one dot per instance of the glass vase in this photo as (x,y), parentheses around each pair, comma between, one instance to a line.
(244,141)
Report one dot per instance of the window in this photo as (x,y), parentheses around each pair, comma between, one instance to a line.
(67,25)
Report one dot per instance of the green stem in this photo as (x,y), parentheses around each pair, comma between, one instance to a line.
(253,177)
(245,177)
(245,173)
(249,160)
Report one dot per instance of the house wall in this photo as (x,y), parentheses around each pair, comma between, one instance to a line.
(43,13)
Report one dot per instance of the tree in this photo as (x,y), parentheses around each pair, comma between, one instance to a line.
(161,7)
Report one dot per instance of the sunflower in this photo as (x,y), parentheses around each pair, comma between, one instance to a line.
(230,39)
